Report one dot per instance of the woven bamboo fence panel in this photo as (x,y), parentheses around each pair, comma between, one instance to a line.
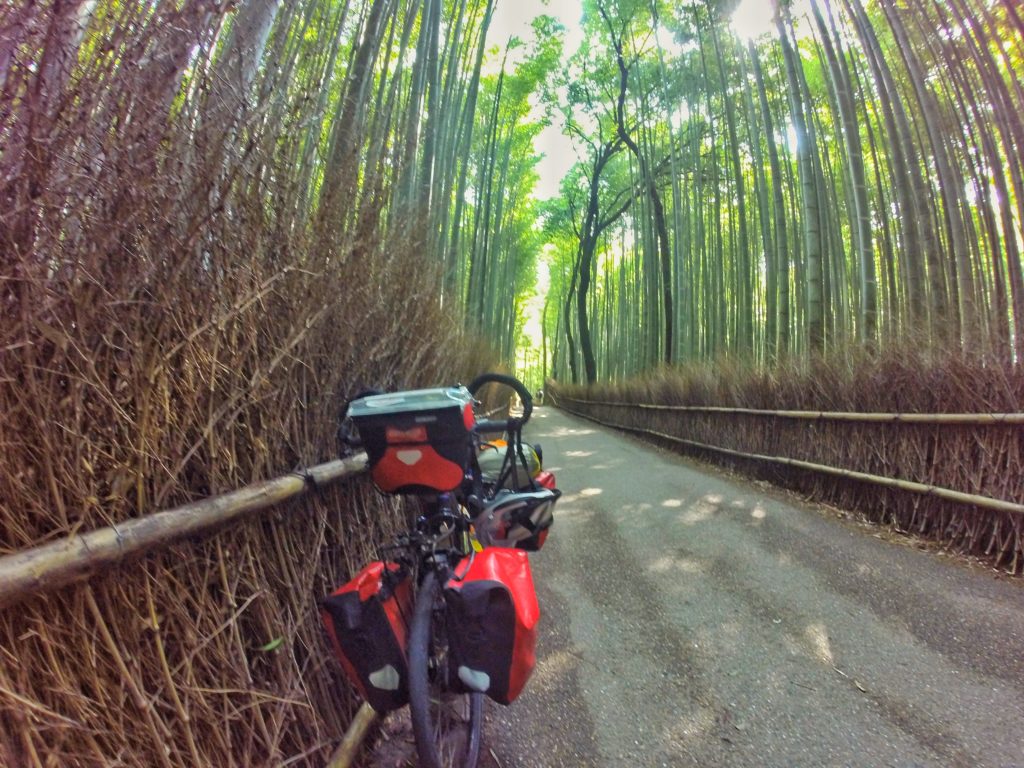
(956,478)
(205,646)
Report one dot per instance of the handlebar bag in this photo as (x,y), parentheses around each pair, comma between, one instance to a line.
(367,624)
(418,441)
(492,618)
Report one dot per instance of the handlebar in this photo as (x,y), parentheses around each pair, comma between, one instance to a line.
(492,425)
(510,424)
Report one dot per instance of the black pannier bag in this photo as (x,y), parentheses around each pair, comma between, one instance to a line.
(367,622)
(418,441)
(493,614)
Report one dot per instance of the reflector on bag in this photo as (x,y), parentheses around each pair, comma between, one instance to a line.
(546,479)
(367,623)
(493,613)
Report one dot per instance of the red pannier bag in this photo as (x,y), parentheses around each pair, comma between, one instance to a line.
(492,618)
(418,441)
(545,480)
(367,621)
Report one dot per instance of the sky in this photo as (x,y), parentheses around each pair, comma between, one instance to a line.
(512,17)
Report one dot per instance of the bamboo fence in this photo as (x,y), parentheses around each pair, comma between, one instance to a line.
(42,569)
(954,477)
(208,648)
(978,419)
(75,558)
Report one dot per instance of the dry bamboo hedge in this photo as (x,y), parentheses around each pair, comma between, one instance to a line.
(747,412)
(208,653)
(175,322)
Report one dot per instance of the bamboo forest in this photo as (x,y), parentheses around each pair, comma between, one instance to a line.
(850,175)
(220,220)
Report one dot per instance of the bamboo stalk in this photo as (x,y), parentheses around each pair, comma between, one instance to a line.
(77,557)
(142,702)
(349,747)
(165,668)
(907,418)
(984,502)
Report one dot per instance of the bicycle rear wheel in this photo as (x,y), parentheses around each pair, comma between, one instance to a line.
(446,724)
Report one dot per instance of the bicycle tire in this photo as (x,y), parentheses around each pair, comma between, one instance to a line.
(446,725)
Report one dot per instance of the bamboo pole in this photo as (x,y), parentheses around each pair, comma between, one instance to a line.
(904,418)
(984,502)
(349,747)
(75,558)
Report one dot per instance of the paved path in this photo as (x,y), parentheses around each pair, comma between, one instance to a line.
(692,619)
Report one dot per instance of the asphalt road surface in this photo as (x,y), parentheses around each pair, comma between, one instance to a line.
(693,619)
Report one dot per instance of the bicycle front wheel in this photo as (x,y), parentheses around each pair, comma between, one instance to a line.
(446,724)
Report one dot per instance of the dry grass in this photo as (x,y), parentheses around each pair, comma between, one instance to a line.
(985,460)
(170,328)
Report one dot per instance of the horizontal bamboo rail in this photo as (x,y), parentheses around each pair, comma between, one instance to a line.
(75,558)
(902,418)
(904,485)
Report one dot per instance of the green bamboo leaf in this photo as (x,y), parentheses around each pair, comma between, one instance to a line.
(273,645)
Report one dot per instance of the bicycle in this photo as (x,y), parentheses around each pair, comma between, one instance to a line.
(457,518)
